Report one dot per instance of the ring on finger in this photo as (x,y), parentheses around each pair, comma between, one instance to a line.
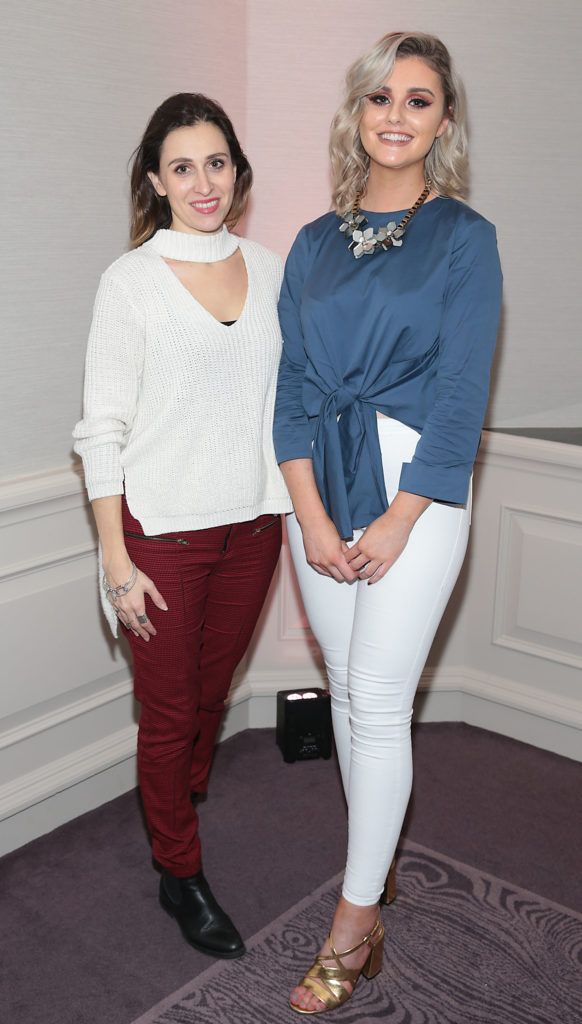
(142,619)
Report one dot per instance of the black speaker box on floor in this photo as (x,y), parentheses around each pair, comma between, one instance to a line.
(304,724)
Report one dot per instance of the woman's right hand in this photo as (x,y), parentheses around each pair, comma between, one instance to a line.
(131,607)
(325,550)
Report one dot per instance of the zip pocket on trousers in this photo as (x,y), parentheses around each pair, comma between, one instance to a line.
(166,540)
(267,526)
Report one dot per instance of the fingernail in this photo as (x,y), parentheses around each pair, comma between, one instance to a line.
(165,608)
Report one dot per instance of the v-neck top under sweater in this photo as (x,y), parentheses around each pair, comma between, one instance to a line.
(178,407)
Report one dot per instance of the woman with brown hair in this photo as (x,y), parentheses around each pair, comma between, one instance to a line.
(176,442)
(389,311)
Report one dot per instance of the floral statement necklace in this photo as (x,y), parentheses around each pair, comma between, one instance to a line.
(365,241)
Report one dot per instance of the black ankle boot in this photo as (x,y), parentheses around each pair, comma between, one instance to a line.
(203,922)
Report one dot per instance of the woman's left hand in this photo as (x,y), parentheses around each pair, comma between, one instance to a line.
(380,545)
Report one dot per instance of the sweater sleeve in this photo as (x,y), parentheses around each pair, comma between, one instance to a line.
(292,434)
(112,373)
(443,461)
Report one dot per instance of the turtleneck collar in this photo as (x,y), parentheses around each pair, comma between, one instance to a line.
(181,245)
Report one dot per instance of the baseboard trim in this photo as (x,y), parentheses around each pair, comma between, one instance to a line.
(529,700)
(37,802)
(67,771)
(459,681)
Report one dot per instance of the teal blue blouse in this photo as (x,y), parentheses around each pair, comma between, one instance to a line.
(409,332)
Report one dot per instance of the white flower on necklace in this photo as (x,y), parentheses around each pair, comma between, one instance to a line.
(389,235)
(352,223)
(363,242)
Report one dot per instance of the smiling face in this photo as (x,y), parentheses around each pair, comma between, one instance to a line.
(197,175)
(403,117)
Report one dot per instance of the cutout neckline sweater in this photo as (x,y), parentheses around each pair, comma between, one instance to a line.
(178,407)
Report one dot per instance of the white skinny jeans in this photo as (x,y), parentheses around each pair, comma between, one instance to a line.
(375,641)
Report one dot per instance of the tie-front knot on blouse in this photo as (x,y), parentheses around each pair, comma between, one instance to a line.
(342,398)
(344,445)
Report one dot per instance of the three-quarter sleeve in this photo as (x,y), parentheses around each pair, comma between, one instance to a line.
(292,433)
(112,373)
(443,461)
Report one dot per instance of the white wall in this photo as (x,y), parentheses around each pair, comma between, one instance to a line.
(79,81)
(520,63)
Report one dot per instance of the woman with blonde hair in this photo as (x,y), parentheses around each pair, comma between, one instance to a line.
(389,311)
(176,441)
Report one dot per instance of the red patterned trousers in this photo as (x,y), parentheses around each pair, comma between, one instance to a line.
(214,583)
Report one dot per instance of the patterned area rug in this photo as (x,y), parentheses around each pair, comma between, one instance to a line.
(462,947)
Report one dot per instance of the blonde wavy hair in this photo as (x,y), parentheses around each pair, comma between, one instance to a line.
(446,163)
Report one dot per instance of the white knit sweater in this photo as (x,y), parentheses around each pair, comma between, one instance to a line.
(178,408)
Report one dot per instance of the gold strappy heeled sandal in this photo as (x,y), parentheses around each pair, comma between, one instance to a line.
(327,982)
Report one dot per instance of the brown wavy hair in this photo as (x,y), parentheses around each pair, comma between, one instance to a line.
(149,211)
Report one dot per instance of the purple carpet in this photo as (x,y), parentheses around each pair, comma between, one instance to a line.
(461,946)
(84,940)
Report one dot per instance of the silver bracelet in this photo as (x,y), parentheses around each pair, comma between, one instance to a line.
(114,592)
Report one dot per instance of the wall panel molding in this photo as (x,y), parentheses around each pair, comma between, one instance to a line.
(539,581)
(530,454)
(51,560)
(35,726)
(31,497)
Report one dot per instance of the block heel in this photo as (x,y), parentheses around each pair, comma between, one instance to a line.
(389,893)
